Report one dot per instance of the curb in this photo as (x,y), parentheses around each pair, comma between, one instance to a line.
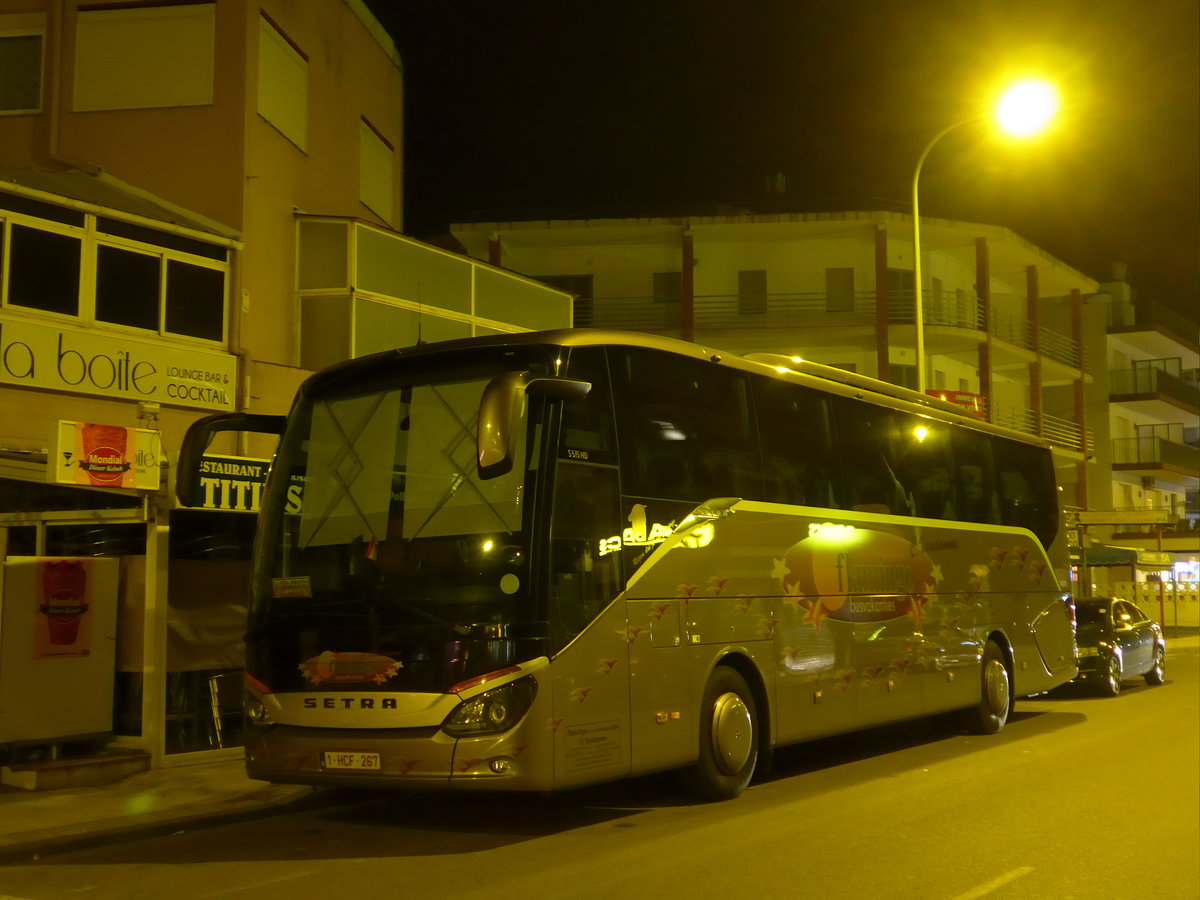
(86,836)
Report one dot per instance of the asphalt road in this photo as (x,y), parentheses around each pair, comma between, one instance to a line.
(1079,797)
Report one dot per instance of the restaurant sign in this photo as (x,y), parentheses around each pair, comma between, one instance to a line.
(114,366)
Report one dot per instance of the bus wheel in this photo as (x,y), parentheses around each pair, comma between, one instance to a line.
(728,738)
(995,701)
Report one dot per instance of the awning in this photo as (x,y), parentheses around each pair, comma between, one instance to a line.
(1106,555)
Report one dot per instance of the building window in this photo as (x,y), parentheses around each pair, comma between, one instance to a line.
(376,184)
(195,301)
(20,68)
(282,83)
(43,270)
(144,57)
(112,272)
(668,287)
(752,292)
(839,290)
(127,287)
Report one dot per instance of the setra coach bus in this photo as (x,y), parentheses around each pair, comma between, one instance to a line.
(545,560)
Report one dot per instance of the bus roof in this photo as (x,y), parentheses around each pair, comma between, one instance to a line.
(788,368)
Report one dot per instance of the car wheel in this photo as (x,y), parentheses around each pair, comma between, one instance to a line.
(996,698)
(1157,673)
(728,738)
(1110,684)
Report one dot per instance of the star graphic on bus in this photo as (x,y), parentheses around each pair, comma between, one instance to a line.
(814,612)
(657,610)
(580,694)
(780,570)
(607,666)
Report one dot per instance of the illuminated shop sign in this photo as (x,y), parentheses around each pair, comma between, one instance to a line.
(112,366)
(99,455)
(235,484)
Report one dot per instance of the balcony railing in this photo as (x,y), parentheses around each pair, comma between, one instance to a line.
(721,312)
(1154,451)
(1178,385)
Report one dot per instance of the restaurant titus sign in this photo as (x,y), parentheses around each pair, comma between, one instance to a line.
(114,366)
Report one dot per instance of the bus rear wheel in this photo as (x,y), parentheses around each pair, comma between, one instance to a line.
(996,698)
(728,738)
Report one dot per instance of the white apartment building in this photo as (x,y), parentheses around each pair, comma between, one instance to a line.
(1032,343)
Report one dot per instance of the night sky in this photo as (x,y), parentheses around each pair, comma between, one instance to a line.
(533,108)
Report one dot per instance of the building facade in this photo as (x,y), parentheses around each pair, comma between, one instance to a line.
(1021,337)
(200,204)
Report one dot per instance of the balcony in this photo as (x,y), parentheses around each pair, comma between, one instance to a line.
(1161,388)
(1152,455)
(1156,329)
(715,315)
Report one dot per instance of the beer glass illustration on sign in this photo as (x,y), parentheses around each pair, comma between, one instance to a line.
(103,456)
(65,608)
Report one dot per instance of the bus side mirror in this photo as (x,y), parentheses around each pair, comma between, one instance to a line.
(200,434)
(502,409)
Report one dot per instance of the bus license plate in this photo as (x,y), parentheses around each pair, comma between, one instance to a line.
(352,760)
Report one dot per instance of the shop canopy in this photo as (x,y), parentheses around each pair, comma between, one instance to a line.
(1106,555)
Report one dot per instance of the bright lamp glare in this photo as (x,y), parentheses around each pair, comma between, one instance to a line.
(1026,107)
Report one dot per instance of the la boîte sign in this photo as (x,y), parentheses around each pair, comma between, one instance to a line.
(103,364)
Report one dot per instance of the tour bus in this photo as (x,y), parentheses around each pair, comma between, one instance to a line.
(545,560)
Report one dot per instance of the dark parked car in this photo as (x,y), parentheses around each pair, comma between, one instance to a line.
(1117,641)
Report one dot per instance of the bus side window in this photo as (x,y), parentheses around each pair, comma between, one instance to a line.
(793,425)
(685,427)
(1026,474)
(864,439)
(974,469)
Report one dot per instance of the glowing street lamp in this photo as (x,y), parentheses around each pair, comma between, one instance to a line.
(1023,110)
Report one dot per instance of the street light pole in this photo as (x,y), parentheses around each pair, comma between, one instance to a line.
(1023,110)
(918,308)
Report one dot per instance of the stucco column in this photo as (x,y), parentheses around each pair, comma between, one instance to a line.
(983,290)
(1035,368)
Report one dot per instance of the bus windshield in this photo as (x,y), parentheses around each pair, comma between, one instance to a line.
(379,535)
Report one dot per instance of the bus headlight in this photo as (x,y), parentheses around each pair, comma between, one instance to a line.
(256,714)
(494,711)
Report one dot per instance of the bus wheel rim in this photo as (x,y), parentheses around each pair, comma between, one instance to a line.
(732,733)
(996,683)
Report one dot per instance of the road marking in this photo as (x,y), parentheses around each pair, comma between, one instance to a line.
(267,882)
(984,889)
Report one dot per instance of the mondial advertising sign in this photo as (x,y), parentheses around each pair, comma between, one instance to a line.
(99,455)
(103,364)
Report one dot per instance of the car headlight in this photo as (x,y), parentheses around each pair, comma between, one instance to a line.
(494,711)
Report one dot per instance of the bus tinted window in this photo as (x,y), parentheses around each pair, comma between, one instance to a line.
(685,427)
(793,425)
(866,440)
(1028,495)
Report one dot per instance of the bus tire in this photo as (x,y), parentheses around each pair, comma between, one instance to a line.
(728,738)
(990,714)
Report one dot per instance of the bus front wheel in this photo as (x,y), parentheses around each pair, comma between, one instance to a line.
(728,738)
(996,698)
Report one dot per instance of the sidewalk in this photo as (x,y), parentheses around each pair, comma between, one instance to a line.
(154,802)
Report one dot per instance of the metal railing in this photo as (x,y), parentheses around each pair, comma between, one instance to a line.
(1150,380)
(722,312)
(1151,450)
